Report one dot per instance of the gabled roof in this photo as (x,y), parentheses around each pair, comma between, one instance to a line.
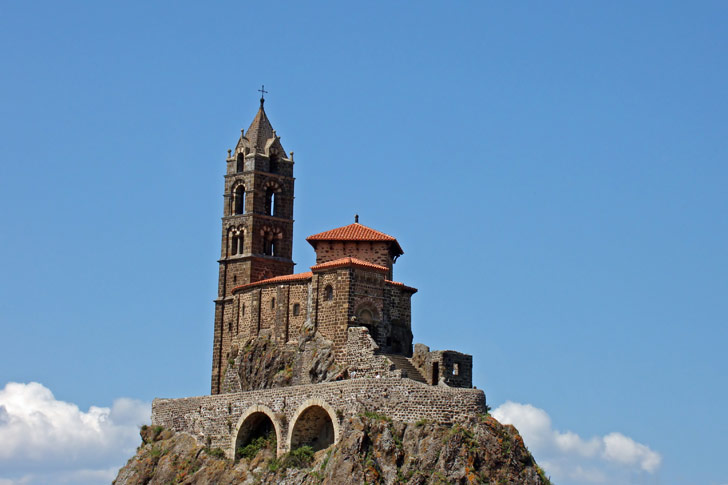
(354,232)
(360,263)
(276,279)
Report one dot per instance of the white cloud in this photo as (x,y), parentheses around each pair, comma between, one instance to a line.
(43,437)
(569,458)
(622,449)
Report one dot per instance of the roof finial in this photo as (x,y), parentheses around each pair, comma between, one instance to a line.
(262,92)
(356,218)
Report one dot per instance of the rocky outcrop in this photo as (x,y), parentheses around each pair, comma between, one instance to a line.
(374,449)
(261,363)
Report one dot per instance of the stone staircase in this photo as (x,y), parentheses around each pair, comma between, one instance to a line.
(405,365)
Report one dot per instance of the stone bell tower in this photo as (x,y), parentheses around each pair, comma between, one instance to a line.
(257,224)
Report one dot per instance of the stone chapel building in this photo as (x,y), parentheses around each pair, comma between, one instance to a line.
(349,299)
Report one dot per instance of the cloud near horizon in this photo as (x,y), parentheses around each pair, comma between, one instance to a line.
(45,440)
(569,458)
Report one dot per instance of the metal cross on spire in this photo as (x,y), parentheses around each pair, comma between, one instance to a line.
(262,92)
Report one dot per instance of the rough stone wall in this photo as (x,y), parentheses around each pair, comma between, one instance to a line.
(332,315)
(454,369)
(367,294)
(245,314)
(398,313)
(298,295)
(373,252)
(215,420)
(268,297)
(363,359)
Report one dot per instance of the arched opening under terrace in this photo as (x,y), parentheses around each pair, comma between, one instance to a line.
(259,427)
(313,425)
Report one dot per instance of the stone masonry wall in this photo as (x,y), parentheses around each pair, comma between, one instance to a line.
(453,369)
(373,252)
(362,359)
(215,420)
(332,314)
(298,295)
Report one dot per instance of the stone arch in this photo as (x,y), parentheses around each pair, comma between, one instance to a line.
(252,424)
(367,315)
(272,184)
(368,305)
(314,424)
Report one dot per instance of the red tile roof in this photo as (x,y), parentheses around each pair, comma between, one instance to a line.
(360,263)
(276,279)
(353,232)
(401,285)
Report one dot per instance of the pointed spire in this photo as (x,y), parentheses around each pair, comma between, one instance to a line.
(260,136)
(260,130)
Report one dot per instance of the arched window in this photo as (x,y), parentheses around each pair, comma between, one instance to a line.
(240,163)
(296,309)
(270,202)
(328,293)
(239,200)
(365,317)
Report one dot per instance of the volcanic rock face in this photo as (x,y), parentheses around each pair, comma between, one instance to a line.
(261,363)
(374,449)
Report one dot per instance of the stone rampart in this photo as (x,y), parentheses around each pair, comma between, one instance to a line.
(216,420)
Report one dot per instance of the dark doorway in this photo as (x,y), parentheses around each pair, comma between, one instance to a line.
(435,373)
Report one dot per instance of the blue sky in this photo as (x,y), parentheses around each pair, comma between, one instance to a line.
(555,172)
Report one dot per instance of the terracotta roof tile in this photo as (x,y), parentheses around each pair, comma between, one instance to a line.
(401,285)
(276,279)
(353,232)
(349,262)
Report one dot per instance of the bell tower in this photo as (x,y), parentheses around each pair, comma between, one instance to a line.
(257,224)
